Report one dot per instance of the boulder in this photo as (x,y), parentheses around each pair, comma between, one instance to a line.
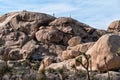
(104,53)
(62,20)
(28,49)
(81,47)
(74,41)
(68,64)
(93,35)
(114,26)
(46,62)
(68,54)
(49,35)
(70,26)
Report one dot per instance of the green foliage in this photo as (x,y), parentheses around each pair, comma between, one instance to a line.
(105,58)
(17,64)
(85,66)
(118,51)
(41,78)
(59,70)
(79,59)
(50,70)
(4,69)
(42,75)
(26,63)
(36,66)
(42,72)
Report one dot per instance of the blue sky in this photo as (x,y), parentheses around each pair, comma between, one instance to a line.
(96,13)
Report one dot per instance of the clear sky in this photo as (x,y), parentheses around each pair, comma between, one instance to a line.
(96,13)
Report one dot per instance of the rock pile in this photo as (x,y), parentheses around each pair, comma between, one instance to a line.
(31,35)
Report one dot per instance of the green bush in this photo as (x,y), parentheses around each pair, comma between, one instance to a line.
(4,69)
(36,66)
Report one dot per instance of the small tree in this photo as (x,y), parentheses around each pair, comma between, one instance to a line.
(85,66)
(105,58)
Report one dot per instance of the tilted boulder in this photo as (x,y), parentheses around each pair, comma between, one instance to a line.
(104,53)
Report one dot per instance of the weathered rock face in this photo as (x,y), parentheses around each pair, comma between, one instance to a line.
(28,49)
(114,26)
(17,28)
(48,49)
(25,21)
(35,35)
(70,26)
(104,51)
(16,38)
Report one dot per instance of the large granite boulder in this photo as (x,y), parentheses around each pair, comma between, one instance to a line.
(104,53)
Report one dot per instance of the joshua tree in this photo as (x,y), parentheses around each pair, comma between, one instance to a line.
(107,67)
(85,66)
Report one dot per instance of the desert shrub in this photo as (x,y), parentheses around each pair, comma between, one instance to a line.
(26,63)
(36,66)
(50,70)
(42,75)
(5,69)
(118,51)
(59,70)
